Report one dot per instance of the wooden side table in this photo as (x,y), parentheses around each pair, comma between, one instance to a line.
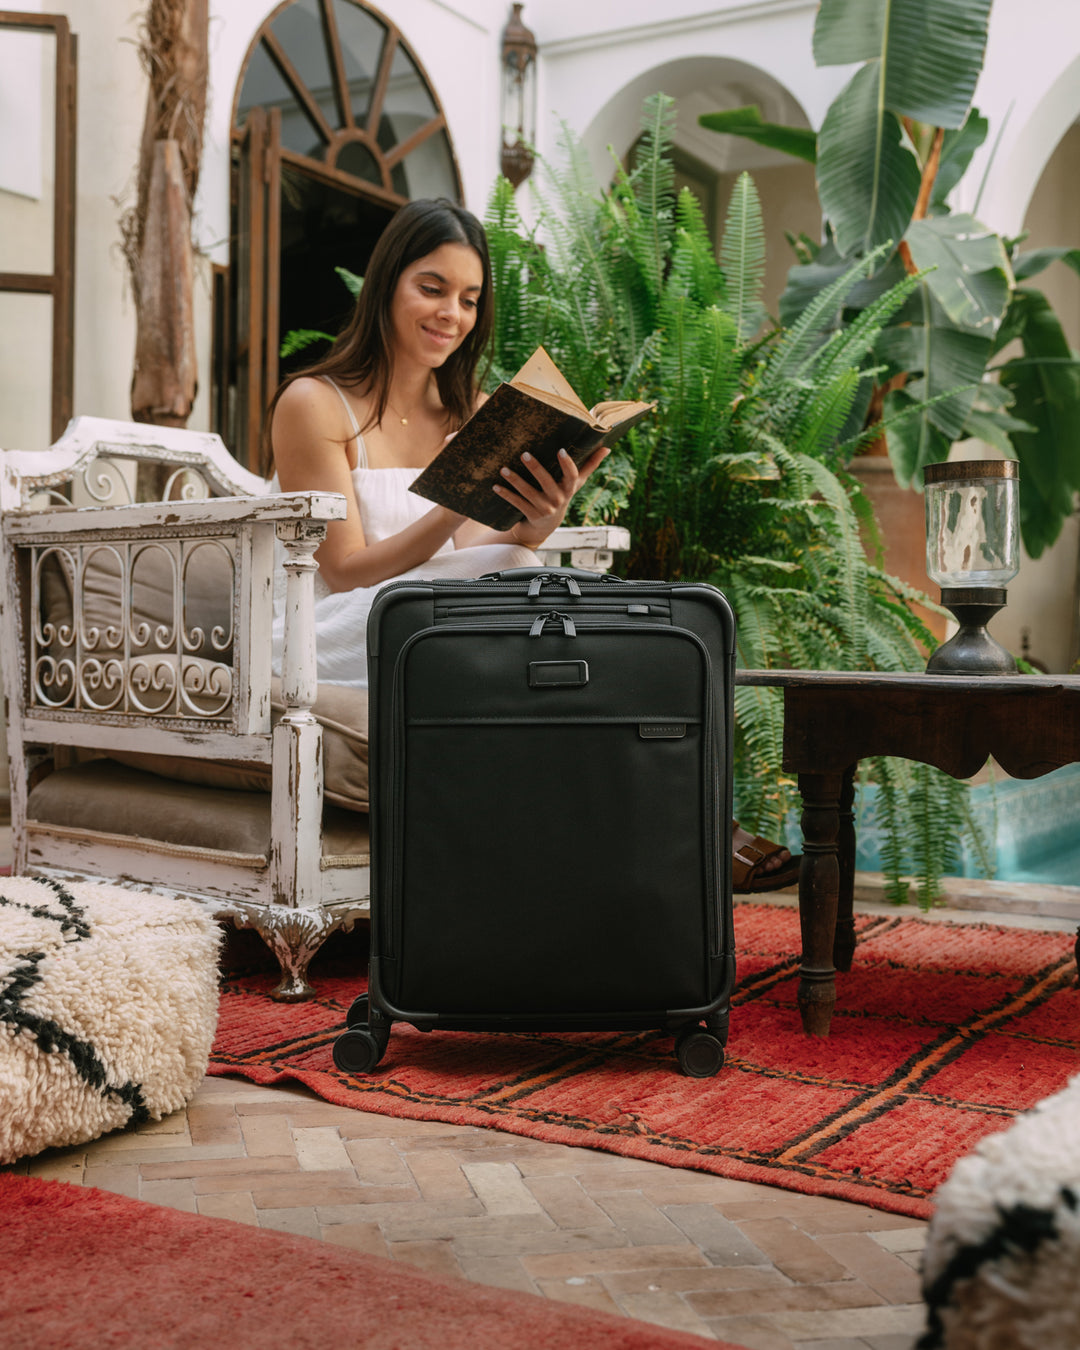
(1030,724)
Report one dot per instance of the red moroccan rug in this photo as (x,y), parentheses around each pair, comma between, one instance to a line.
(941,1034)
(81,1269)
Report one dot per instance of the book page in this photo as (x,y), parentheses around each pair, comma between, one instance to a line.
(541,376)
(612,413)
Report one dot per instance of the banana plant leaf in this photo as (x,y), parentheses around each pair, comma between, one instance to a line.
(868,176)
(748,123)
(957,148)
(929,53)
(945,360)
(971,277)
(1045,384)
(912,439)
(1027,265)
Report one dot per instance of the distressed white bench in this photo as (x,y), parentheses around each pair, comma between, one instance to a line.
(147,741)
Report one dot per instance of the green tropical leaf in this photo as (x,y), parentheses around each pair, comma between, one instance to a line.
(351,280)
(1045,385)
(748,123)
(930,53)
(971,277)
(1027,265)
(299,339)
(912,439)
(868,176)
(957,148)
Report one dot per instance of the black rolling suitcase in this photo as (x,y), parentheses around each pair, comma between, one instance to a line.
(550,810)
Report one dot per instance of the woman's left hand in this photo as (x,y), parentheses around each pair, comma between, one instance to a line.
(544,504)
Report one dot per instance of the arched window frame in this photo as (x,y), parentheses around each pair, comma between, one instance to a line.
(247,292)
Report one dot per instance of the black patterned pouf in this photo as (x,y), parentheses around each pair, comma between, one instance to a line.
(1001,1269)
(108,1004)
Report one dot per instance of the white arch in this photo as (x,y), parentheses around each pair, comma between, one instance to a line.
(1030,153)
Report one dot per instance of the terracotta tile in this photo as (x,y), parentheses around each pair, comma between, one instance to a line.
(234,1205)
(800,1298)
(55,1165)
(500,1189)
(177,1153)
(213,1125)
(799,1257)
(723,1243)
(366,1124)
(665,1309)
(755,1333)
(582,1242)
(300,1221)
(417,1222)
(321,1149)
(683,1279)
(303,1195)
(377,1163)
(502,1272)
(230,1165)
(902,1239)
(565,1202)
(851,1322)
(361,1237)
(891,1277)
(267,1137)
(437,1175)
(174,1123)
(174,1194)
(356,1209)
(642,1223)
(120,1180)
(437,1258)
(581,1262)
(583,1290)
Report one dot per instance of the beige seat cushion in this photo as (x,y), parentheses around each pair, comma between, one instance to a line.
(115,799)
(341,712)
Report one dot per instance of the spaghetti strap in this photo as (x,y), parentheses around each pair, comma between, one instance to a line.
(361,448)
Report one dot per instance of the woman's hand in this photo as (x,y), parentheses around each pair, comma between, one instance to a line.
(544,504)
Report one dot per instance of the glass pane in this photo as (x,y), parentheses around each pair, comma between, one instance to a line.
(357,159)
(429,170)
(27,107)
(322,227)
(264,87)
(408,100)
(361,36)
(299,29)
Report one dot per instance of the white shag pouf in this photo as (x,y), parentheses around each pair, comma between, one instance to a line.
(1001,1269)
(108,1005)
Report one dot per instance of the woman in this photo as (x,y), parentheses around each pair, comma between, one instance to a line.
(398,382)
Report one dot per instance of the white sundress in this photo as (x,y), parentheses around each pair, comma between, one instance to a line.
(386,507)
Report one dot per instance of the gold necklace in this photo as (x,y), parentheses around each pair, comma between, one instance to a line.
(403,420)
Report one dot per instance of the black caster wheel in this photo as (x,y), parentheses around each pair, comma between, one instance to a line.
(357,1052)
(700,1054)
(357,1016)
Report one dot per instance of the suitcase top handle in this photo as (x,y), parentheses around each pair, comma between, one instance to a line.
(539,577)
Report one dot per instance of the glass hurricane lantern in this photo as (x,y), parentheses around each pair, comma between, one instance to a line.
(972,552)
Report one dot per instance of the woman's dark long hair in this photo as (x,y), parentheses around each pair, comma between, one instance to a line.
(363,353)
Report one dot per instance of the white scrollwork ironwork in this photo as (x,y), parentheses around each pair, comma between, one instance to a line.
(104,678)
(195,636)
(94,581)
(48,626)
(206,688)
(161,585)
(103,478)
(54,682)
(193,486)
(149,676)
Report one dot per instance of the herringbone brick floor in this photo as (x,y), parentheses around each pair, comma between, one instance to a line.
(761,1267)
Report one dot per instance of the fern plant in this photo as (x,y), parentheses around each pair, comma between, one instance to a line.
(738,478)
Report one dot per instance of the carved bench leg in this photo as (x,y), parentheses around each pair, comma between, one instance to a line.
(819,885)
(294,936)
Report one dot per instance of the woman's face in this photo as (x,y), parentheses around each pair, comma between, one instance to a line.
(435,303)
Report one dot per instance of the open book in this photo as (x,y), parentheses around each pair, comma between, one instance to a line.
(536,411)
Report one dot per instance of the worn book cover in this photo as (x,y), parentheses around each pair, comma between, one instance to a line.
(536,411)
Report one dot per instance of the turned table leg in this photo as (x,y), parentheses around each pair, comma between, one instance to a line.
(819,886)
(844,942)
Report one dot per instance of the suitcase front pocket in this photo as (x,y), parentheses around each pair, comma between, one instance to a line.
(555,843)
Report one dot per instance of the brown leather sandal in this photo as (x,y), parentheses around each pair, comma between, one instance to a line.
(748,858)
